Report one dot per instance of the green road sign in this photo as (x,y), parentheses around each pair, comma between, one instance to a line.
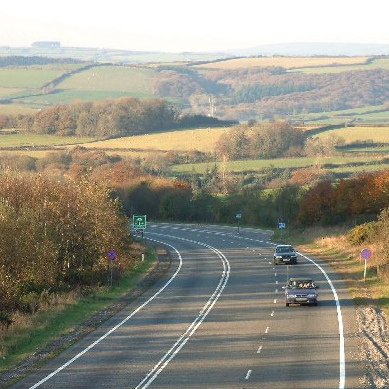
(139,221)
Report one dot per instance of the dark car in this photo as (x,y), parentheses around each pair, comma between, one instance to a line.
(300,291)
(284,253)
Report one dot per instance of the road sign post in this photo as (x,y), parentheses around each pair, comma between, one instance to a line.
(112,255)
(238,217)
(365,254)
(281,227)
(139,223)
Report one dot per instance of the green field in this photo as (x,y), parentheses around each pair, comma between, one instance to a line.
(360,134)
(333,164)
(95,84)
(32,140)
(134,80)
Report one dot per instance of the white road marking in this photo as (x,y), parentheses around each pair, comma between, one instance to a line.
(342,357)
(112,329)
(267,330)
(174,350)
(259,349)
(248,374)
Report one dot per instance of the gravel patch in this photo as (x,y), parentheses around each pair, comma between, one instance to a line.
(373,330)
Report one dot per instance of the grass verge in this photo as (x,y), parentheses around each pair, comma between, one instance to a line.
(69,318)
(332,245)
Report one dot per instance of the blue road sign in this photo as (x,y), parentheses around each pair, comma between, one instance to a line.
(112,254)
(366,253)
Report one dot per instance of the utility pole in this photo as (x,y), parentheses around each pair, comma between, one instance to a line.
(211,106)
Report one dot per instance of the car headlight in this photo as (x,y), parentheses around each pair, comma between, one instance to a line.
(312,295)
(279,256)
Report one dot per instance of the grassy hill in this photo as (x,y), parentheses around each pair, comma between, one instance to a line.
(309,89)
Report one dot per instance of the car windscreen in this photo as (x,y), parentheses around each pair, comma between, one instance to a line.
(284,249)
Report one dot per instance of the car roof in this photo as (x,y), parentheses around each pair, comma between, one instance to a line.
(284,245)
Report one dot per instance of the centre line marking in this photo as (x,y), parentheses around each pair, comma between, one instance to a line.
(259,349)
(248,374)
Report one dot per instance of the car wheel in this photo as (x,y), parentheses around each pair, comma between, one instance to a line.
(286,304)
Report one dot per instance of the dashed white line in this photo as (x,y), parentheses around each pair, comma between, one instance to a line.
(248,374)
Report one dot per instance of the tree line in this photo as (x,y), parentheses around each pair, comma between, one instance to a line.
(21,60)
(107,119)
(54,236)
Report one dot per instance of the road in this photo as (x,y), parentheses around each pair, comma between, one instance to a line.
(218,320)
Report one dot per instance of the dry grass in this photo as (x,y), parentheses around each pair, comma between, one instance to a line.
(199,139)
(285,62)
(332,245)
(23,323)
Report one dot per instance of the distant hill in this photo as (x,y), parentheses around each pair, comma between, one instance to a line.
(107,55)
(136,57)
(310,49)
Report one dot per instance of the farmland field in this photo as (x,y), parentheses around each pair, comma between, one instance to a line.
(31,77)
(341,164)
(185,140)
(112,78)
(285,62)
(363,134)
(381,63)
(33,140)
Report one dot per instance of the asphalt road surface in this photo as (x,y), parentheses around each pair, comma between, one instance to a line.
(218,319)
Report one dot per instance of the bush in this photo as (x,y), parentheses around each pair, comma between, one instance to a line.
(362,233)
(29,303)
(5,319)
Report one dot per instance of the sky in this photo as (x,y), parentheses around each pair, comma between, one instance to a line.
(197,25)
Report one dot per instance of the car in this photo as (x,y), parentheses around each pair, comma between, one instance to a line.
(284,253)
(300,291)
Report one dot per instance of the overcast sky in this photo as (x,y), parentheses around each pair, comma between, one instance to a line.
(196,25)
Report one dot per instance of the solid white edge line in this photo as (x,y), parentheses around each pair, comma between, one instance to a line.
(112,329)
(174,350)
(342,358)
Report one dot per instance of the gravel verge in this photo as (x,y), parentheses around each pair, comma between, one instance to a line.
(373,331)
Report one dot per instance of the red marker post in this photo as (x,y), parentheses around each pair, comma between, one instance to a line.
(365,254)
